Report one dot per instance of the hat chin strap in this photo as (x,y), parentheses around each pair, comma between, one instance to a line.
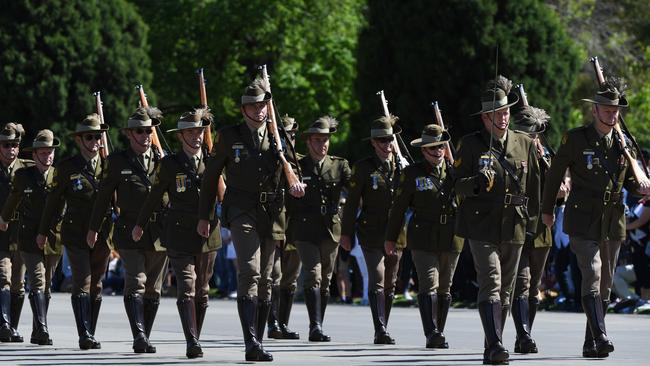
(600,120)
(45,165)
(5,157)
(251,119)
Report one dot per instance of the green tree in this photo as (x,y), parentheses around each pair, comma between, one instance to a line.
(56,53)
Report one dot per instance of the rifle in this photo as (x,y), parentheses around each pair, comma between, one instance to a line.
(401,161)
(639,172)
(272,126)
(448,147)
(155,141)
(107,145)
(547,152)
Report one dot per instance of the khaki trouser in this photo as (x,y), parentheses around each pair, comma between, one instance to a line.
(496,269)
(286,269)
(88,267)
(435,270)
(382,270)
(530,271)
(254,258)
(597,262)
(144,272)
(40,269)
(318,261)
(12,272)
(193,273)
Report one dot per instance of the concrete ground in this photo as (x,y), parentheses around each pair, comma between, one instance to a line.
(559,337)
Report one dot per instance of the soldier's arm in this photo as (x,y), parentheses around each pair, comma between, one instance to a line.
(533,189)
(401,203)
(14,198)
(467,181)
(55,201)
(108,185)
(354,188)
(210,181)
(161,184)
(555,175)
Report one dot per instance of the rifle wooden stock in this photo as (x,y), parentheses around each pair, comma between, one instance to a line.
(203,96)
(155,141)
(104,151)
(448,153)
(396,148)
(272,126)
(542,145)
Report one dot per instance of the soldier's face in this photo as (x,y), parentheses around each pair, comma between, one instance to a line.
(434,154)
(501,119)
(256,111)
(383,147)
(192,137)
(92,141)
(140,138)
(44,156)
(606,114)
(318,145)
(9,151)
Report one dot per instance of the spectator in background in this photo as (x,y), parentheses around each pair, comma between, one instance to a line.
(114,281)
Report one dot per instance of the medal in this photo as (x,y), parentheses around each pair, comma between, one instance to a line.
(375,182)
(589,155)
(77,184)
(237,158)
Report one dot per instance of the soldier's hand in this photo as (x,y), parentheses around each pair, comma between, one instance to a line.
(91,238)
(564,191)
(548,219)
(136,233)
(345,242)
(3,225)
(644,186)
(486,179)
(297,190)
(203,228)
(390,247)
(41,240)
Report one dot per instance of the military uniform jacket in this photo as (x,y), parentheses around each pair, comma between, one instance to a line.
(75,184)
(127,175)
(254,181)
(431,197)
(315,217)
(510,209)
(372,186)
(26,201)
(595,209)
(543,237)
(180,179)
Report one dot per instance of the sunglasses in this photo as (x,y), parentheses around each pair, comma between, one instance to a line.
(140,131)
(92,136)
(434,148)
(9,145)
(384,140)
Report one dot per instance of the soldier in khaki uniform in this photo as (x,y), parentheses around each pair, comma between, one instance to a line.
(314,220)
(286,269)
(12,268)
(192,257)
(252,205)
(371,188)
(26,199)
(130,174)
(499,184)
(594,215)
(428,189)
(75,184)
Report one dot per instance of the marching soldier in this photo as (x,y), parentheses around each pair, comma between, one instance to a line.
(372,186)
(75,184)
(498,181)
(27,198)
(12,268)
(314,220)
(129,174)
(594,215)
(192,257)
(286,269)
(251,207)
(428,189)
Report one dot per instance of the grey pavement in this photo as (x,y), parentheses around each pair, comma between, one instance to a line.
(559,336)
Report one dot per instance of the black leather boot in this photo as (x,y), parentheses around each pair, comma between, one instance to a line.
(533,304)
(201,309)
(444,302)
(491,314)
(263,309)
(377,308)
(247,308)
(593,307)
(95,305)
(524,343)
(273,323)
(5,316)
(40,333)
(324,300)
(81,310)
(428,306)
(284,313)
(134,307)
(150,311)
(314,308)
(17,301)
(389,305)
(187,312)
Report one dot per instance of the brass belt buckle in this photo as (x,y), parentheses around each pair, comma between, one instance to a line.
(154,217)
(607,196)
(443,219)
(323,210)
(507,199)
(263,197)
(15,216)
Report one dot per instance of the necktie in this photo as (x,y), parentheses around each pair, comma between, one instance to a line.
(607,140)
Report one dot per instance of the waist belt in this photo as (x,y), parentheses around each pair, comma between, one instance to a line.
(515,200)
(609,196)
(265,197)
(442,218)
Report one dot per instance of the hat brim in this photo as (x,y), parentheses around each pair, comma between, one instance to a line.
(419,143)
(512,96)
(154,123)
(310,132)
(55,143)
(624,103)
(102,128)
(396,131)
(247,99)
(204,124)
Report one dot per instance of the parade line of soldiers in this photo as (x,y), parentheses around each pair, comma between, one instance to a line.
(497,192)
